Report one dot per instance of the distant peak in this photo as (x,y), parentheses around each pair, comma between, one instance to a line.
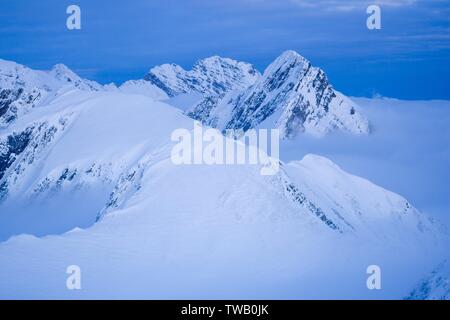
(220,61)
(166,67)
(60,66)
(11,65)
(214,75)
(63,73)
(291,55)
(214,59)
(62,69)
(287,60)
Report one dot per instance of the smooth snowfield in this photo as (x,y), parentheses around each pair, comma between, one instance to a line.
(198,231)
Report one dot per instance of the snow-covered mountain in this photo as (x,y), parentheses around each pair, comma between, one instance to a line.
(101,160)
(210,76)
(67,76)
(22,88)
(106,156)
(59,148)
(291,95)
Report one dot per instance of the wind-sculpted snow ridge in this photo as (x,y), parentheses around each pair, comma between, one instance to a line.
(22,89)
(210,76)
(436,286)
(292,95)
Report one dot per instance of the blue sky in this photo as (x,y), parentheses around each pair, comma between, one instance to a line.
(408,58)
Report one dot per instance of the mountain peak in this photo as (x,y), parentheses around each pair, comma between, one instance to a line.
(291,54)
(298,94)
(62,67)
(218,61)
(214,59)
(22,88)
(210,76)
(289,59)
(62,72)
(8,64)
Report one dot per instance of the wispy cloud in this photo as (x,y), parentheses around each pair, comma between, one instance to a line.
(350,5)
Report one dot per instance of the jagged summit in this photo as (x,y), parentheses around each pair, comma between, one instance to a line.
(61,68)
(64,74)
(210,76)
(291,95)
(288,56)
(22,88)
